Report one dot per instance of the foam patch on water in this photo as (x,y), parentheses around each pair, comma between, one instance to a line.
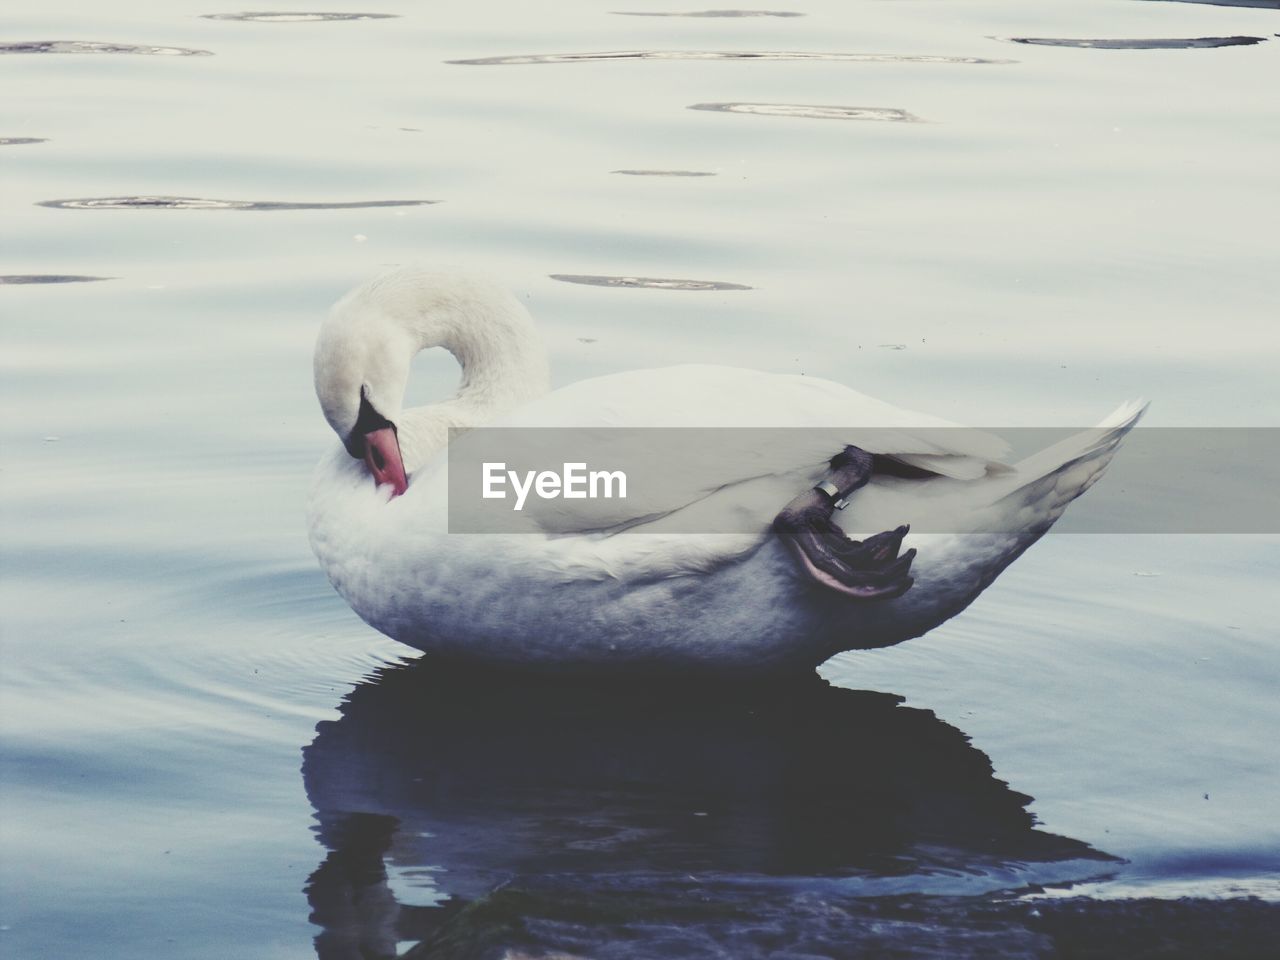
(1168,888)
(718,55)
(812,111)
(94,46)
(655,283)
(199,203)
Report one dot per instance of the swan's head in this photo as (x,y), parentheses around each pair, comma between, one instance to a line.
(361,365)
(370,337)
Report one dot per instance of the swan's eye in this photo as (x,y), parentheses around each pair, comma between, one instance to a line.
(369,421)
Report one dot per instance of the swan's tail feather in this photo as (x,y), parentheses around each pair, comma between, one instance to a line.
(1055,476)
(1087,444)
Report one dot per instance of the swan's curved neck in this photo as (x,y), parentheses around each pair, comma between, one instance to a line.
(502,358)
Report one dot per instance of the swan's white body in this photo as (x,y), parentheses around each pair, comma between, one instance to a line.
(574,593)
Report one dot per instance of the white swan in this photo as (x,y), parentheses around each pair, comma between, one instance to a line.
(617,584)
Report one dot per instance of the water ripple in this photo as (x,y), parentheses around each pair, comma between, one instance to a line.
(1260,4)
(266,16)
(656,283)
(13,278)
(665,173)
(1114,44)
(812,111)
(198,203)
(708,13)
(94,46)
(19,141)
(719,55)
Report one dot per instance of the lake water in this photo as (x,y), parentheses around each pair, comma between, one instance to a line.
(205,753)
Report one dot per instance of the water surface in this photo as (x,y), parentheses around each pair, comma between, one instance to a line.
(200,741)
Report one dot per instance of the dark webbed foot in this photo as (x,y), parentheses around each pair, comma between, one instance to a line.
(870,569)
(867,570)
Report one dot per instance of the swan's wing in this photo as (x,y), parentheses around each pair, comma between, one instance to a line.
(710,449)
(713,396)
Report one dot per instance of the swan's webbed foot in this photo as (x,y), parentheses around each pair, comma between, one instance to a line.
(870,569)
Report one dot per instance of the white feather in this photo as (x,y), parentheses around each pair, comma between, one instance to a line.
(575,590)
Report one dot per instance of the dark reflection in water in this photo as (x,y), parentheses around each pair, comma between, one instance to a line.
(267,16)
(93,46)
(718,55)
(49,278)
(198,203)
(812,111)
(708,13)
(665,173)
(656,283)
(19,141)
(549,816)
(1138,44)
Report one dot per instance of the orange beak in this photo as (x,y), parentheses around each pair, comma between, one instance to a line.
(382,456)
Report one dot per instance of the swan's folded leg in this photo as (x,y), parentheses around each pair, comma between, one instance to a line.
(867,570)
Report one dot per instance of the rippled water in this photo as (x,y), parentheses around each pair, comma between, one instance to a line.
(206,754)
(200,203)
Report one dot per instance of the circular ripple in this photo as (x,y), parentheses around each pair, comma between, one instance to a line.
(812,111)
(1112,44)
(19,141)
(93,46)
(264,16)
(656,283)
(199,203)
(14,278)
(717,55)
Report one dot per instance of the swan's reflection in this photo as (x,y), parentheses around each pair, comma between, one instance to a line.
(465,783)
